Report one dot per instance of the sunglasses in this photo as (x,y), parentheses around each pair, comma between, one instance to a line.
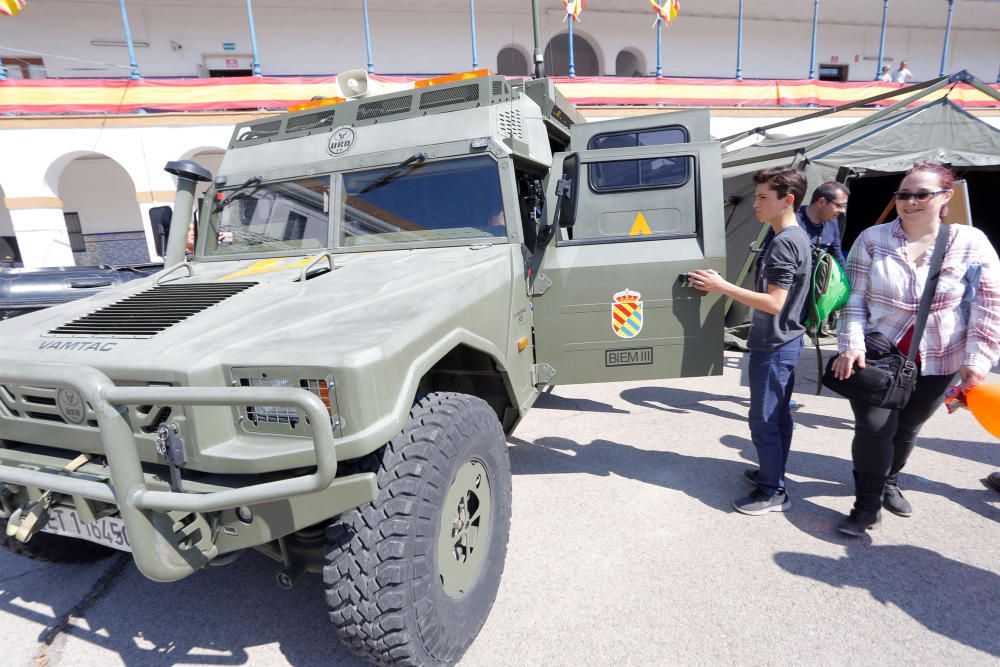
(903,195)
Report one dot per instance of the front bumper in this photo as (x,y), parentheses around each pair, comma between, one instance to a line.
(141,507)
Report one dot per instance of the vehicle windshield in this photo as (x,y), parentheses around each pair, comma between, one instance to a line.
(423,201)
(270,217)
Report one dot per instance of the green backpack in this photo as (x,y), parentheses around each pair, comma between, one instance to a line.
(828,292)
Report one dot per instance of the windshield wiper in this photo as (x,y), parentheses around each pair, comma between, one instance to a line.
(254,183)
(404,167)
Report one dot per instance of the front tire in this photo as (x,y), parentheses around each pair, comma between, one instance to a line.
(412,576)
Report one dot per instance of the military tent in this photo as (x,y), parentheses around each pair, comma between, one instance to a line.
(869,156)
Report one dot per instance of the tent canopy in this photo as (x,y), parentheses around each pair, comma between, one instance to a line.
(939,131)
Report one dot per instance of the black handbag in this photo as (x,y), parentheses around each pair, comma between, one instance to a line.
(888,378)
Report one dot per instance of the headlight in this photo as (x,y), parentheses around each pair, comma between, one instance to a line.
(278,418)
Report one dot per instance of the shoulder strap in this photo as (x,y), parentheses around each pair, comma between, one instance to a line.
(933,273)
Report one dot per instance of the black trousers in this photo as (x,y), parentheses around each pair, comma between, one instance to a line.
(884,438)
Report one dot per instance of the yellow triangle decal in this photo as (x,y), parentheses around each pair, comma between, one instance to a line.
(640,227)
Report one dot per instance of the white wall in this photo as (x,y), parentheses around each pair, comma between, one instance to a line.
(325,40)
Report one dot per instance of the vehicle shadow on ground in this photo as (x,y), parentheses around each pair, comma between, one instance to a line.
(683,401)
(712,481)
(950,598)
(552,401)
(219,616)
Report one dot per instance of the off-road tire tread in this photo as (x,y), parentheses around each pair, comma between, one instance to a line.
(366,556)
(47,548)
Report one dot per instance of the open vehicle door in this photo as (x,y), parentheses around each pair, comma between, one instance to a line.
(609,300)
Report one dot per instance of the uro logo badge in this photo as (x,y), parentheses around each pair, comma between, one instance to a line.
(341,140)
(70,406)
(626,314)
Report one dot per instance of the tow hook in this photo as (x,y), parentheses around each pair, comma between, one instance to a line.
(170,446)
(30,518)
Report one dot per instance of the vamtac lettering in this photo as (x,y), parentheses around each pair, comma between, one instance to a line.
(77,345)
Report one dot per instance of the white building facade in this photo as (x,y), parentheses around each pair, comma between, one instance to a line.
(77,189)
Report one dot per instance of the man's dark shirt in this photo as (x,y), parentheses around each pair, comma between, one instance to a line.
(827,234)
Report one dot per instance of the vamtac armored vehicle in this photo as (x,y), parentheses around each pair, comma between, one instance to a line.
(379,290)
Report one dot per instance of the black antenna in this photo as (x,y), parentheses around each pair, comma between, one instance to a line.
(536,23)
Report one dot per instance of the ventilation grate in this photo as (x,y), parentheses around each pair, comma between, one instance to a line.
(310,121)
(510,124)
(259,131)
(380,108)
(459,95)
(499,88)
(148,313)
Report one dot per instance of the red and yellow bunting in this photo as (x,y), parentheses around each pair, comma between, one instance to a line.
(666,10)
(62,96)
(11,7)
(574,8)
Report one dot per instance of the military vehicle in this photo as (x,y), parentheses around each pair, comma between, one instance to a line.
(380,289)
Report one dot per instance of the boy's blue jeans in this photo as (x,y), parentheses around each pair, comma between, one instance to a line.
(772,378)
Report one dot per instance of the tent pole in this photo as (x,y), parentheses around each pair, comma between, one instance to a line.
(978,85)
(825,112)
(877,115)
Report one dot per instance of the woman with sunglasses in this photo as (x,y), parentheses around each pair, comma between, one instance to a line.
(888,266)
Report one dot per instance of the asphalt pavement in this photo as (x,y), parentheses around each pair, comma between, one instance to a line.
(624,550)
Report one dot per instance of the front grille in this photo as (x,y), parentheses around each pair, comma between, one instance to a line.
(39,404)
(380,108)
(146,314)
(439,98)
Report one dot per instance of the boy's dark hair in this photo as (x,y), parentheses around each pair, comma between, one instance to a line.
(784,180)
(829,191)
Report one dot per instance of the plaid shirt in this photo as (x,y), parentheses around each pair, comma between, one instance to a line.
(963,328)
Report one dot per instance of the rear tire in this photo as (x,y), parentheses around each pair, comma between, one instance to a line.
(49,548)
(411,578)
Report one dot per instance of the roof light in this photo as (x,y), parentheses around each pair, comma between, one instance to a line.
(312,104)
(451,78)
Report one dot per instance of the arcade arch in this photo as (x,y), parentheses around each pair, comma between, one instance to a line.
(100,208)
(630,62)
(513,61)
(585,58)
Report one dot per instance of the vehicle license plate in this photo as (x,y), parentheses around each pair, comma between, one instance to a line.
(109,530)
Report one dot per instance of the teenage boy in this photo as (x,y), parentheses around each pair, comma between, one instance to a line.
(776,329)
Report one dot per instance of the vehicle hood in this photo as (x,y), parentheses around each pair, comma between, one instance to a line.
(363,305)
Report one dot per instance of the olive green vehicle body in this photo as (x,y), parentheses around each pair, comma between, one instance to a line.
(493,314)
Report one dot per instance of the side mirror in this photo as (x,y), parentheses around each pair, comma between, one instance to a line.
(567,189)
(159,221)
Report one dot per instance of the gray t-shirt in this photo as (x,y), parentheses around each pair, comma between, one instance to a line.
(787,264)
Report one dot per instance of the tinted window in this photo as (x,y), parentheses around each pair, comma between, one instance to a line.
(431,201)
(638,174)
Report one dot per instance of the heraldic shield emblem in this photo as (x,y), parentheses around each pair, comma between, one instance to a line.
(626,314)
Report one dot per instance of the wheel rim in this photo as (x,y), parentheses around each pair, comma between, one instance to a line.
(464,534)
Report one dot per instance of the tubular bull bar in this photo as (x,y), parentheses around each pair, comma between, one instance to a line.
(155,556)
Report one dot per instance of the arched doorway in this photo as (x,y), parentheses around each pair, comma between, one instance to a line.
(511,61)
(584,56)
(630,63)
(9,253)
(101,212)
